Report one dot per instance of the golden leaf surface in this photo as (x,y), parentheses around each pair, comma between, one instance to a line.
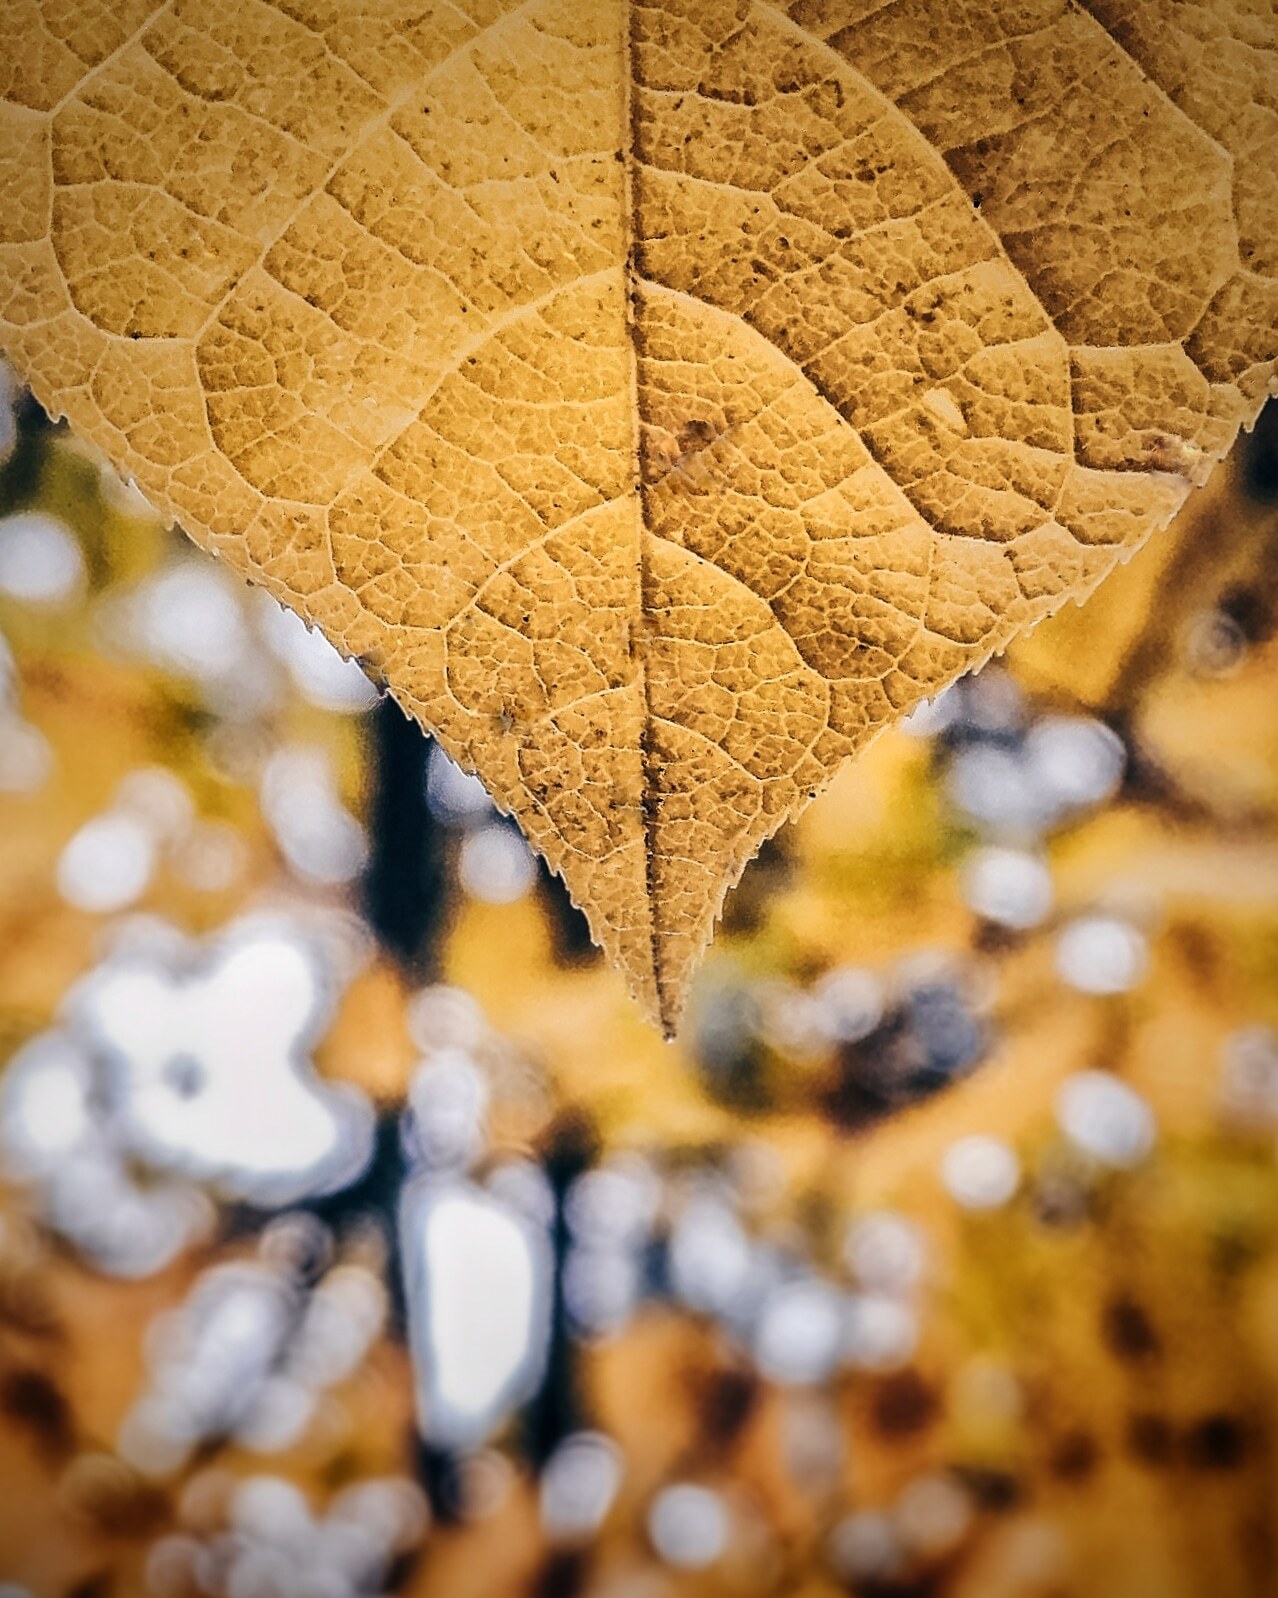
(660,397)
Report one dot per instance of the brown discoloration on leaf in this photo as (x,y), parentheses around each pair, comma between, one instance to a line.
(660,397)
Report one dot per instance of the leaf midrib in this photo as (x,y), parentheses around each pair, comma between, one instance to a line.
(638,633)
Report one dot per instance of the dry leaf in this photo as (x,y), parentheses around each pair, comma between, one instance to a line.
(661,398)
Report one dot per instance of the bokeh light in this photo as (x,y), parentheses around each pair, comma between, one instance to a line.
(357,1239)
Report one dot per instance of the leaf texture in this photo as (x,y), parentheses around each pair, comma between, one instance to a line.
(661,398)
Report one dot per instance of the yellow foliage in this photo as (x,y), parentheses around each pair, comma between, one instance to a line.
(661,398)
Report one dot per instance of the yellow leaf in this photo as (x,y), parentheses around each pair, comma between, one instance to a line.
(661,398)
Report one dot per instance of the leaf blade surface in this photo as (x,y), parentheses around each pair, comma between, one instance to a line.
(660,398)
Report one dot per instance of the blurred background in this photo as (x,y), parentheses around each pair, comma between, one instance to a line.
(357,1238)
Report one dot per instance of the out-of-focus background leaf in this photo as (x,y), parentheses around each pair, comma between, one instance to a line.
(356,1237)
